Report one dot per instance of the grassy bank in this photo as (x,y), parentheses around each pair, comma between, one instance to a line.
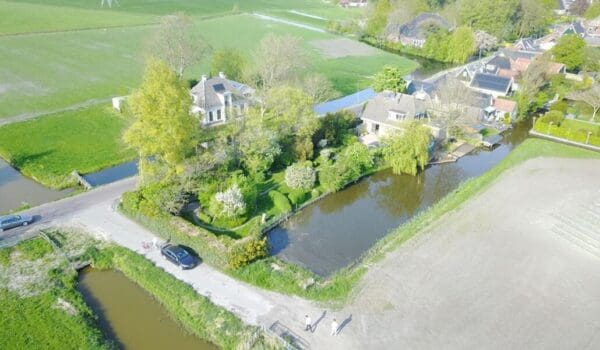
(572,130)
(39,305)
(196,313)
(276,275)
(48,149)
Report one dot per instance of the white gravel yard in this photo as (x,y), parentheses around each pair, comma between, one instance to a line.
(509,270)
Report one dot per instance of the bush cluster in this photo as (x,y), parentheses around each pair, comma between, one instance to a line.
(300,176)
(248,250)
(280,201)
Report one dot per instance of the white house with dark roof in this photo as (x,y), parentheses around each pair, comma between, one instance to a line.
(219,100)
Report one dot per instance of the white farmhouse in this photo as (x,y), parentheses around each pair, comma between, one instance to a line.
(220,100)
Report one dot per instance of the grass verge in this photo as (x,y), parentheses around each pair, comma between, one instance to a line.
(40,307)
(337,288)
(196,313)
(48,149)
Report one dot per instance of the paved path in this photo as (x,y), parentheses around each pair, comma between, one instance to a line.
(514,268)
(94,212)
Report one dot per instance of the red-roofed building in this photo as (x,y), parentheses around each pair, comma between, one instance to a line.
(503,106)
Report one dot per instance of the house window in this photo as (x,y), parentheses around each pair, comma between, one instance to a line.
(218,114)
(210,117)
(397,116)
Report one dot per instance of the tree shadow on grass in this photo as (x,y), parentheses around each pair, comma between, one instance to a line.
(20,160)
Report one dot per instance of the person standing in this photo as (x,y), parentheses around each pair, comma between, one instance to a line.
(155,242)
(307,323)
(334,327)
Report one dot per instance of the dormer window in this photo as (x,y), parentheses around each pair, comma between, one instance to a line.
(397,116)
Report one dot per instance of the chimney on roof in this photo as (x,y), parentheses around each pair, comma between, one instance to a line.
(204,78)
(222,75)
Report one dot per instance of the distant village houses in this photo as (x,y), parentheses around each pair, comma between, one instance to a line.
(354,3)
(415,32)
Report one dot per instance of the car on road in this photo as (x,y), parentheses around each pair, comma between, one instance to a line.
(179,256)
(12,221)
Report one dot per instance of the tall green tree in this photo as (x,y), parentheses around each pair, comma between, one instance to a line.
(292,113)
(176,42)
(407,152)
(532,18)
(378,18)
(570,51)
(162,126)
(258,145)
(593,11)
(461,45)
(437,45)
(493,16)
(389,78)
(229,61)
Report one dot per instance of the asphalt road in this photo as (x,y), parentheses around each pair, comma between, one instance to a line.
(52,213)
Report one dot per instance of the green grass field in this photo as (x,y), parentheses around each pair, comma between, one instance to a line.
(48,149)
(27,18)
(47,72)
(191,7)
(36,323)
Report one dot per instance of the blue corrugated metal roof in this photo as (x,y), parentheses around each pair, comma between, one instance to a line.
(344,102)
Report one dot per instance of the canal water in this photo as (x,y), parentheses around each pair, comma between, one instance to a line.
(130,316)
(337,230)
(17,190)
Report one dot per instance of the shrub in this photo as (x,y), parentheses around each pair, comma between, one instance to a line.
(204,217)
(507,119)
(334,127)
(34,249)
(132,200)
(5,256)
(561,106)
(298,197)
(247,251)
(300,176)
(280,201)
(167,197)
(230,203)
(554,117)
(315,193)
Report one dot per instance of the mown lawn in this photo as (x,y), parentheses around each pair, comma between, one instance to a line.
(33,278)
(36,323)
(20,17)
(191,7)
(46,72)
(48,149)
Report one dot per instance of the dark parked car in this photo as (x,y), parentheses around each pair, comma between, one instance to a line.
(178,256)
(12,221)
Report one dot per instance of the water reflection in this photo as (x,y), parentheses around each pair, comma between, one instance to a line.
(335,231)
(131,317)
(16,189)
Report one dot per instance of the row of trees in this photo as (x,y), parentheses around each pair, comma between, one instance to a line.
(276,61)
(505,19)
